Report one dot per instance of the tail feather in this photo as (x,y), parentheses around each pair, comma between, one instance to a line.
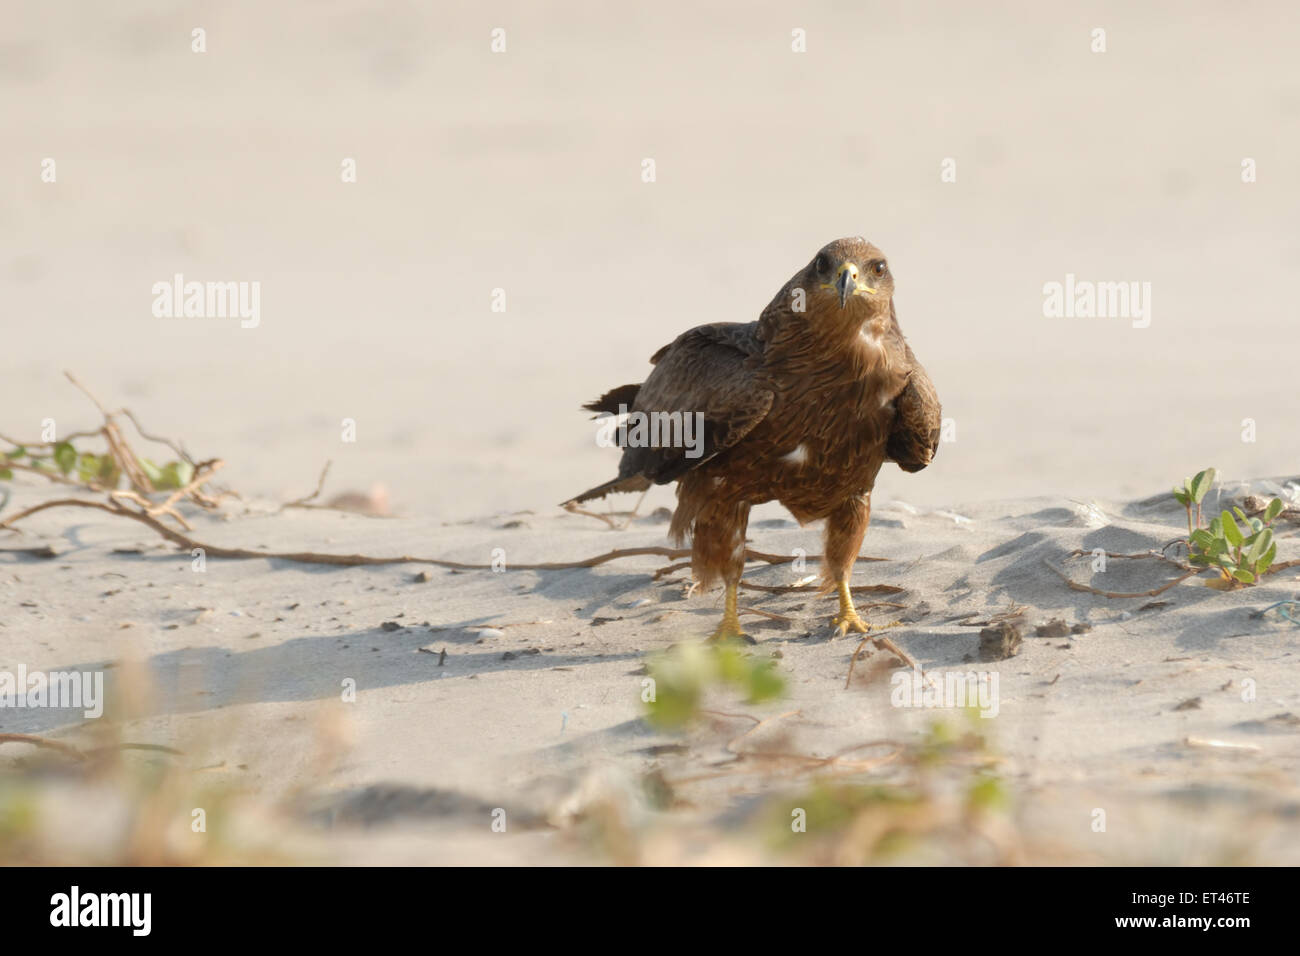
(610,402)
(632,483)
(613,402)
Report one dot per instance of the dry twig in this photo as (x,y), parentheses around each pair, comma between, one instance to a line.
(79,754)
(888,645)
(306,501)
(116,507)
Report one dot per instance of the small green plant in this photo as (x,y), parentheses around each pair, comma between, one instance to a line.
(683,674)
(1192,493)
(102,471)
(1239,547)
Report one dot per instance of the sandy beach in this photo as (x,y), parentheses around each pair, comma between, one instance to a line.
(522,689)
(431,326)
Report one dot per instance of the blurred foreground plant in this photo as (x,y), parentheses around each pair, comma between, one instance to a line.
(942,800)
(680,677)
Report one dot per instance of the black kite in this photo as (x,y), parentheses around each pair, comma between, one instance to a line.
(802,407)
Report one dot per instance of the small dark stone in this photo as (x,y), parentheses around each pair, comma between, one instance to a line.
(1053,628)
(999,641)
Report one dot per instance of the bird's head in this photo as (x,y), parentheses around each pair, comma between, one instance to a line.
(849,275)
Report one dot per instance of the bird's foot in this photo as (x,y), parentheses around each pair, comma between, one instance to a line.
(729,631)
(849,620)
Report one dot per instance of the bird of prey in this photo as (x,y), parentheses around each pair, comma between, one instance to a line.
(803,407)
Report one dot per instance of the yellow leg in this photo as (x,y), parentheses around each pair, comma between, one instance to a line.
(848,618)
(729,629)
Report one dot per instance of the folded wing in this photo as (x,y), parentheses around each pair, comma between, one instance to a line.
(914,439)
(709,370)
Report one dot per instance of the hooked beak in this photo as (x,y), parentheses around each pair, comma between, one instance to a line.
(847,284)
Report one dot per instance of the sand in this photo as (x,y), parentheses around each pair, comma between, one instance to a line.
(522,171)
(536,706)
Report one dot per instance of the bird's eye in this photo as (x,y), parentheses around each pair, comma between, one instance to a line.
(879,269)
(823,264)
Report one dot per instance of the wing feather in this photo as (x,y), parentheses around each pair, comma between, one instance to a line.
(708,370)
(914,438)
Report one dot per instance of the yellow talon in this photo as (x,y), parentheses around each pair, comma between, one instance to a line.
(729,629)
(848,618)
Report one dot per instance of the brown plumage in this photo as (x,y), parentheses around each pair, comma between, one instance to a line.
(802,407)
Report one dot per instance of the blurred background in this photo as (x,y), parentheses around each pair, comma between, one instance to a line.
(521,171)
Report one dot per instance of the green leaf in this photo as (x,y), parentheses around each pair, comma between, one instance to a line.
(987,793)
(1216,528)
(1262,544)
(673,707)
(184,473)
(1201,484)
(1230,529)
(1241,574)
(1266,560)
(151,471)
(1275,508)
(65,456)
(1256,525)
(167,478)
(88,467)
(764,684)
(6,474)
(1241,515)
(1184,498)
(1202,539)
